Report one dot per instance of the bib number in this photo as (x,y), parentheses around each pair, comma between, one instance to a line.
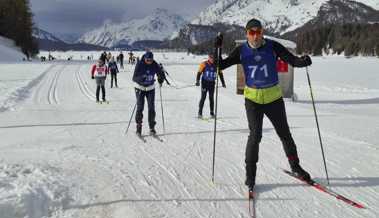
(210,74)
(254,69)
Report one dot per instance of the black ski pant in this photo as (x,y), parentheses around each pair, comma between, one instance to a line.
(100,84)
(207,87)
(114,77)
(150,97)
(276,113)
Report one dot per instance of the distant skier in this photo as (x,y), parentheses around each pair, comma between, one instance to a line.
(99,73)
(143,77)
(207,73)
(112,65)
(131,57)
(121,58)
(263,95)
(109,56)
(103,57)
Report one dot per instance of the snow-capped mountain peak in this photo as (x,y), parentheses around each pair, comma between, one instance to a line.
(159,25)
(44,35)
(279,16)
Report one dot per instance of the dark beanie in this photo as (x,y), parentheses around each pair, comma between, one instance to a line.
(149,55)
(253,23)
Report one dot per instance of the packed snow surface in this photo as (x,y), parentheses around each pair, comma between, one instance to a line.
(63,155)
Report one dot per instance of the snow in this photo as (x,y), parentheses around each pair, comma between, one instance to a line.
(282,16)
(9,52)
(64,156)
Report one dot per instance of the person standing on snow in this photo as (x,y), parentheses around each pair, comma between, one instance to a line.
(121,56)
(144,78)
(99,73)
(263,95)
(112,65)
(207,72)
(103,56)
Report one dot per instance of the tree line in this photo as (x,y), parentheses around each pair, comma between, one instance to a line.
(16,23)
(352,39)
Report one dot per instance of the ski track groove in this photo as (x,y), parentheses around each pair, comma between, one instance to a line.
(51,93)
(173,177)
(55,91)
(83,87)
(37,92)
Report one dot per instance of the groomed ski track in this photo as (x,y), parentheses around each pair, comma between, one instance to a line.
(106,174)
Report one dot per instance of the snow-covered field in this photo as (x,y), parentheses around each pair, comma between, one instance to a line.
(63,155)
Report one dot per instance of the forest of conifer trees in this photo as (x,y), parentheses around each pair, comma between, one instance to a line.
(352,39)
(16,23)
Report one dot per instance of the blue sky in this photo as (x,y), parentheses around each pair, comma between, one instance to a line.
(79,16)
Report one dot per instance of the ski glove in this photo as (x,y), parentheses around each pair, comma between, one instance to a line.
(307,60)
(160,81)
(197,83)
(223,85)
(92,77)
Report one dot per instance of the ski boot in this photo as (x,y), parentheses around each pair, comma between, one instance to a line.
(139,130)
(300,172)
(153,132)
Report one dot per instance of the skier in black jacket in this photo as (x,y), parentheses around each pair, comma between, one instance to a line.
(144,78)
(263,95)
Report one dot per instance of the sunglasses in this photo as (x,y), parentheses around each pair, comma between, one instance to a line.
(252,32)
(149,59)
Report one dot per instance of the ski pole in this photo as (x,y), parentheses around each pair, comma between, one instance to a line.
(131,117)
(218,53)
(160,92)
(318,128)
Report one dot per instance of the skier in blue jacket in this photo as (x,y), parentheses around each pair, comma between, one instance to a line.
(144,78)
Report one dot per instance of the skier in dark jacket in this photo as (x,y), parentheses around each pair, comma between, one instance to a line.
(112,66)
(121,58)
(144,78)
(207,73)
(103,57)
(263,95)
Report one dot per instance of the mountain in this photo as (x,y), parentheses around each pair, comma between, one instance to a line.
(340,26)
(44,35)
(344,11)
(158,26)
(338,12)
(68,37)
(193,34)
(48,42)
(279,16)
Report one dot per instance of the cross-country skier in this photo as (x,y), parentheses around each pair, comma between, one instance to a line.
(100,72)
(144,78)
(263,95)
(112,65)
(121,56)
(207,73)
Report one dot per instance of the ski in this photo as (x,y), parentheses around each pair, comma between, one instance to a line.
(252,203)
(102,102)
(155,136)
(142,138)
(326,190)
(208,119)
